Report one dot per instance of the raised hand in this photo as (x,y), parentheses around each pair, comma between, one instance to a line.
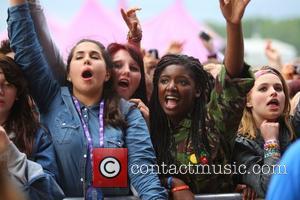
(175,47)
(233,10)
(133,23)
(273,55)
(16,2)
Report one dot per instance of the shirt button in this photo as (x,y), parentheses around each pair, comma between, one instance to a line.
(85,116)
(84,155)
(63,124)
(81,179)
(85,109)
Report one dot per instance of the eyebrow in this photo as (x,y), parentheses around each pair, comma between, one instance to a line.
(270,84)
(90,52)
(179,76)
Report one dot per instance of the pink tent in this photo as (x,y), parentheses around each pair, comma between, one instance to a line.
(175,24)
(56,31)
(3,35)
(94,22)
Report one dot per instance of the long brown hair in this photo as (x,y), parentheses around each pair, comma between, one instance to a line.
(247,126)
(21,120)
(112,113)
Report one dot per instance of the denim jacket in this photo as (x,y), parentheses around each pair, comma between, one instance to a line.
(44,186)
(59,114)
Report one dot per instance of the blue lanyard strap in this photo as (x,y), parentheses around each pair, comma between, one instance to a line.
(86,129)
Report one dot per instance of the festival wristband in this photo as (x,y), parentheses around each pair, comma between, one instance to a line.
(179,188)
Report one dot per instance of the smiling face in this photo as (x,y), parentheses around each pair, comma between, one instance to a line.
(8,95)
(267,98)
(87,70)
(176,92)
(127,74)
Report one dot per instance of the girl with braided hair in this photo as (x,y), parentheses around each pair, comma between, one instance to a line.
(194,124)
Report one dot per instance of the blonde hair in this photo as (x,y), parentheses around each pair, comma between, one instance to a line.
(294,102)
(247,126)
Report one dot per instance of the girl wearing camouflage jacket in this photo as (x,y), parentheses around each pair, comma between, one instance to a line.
(190,128)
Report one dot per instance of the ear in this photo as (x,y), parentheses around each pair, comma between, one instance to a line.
(107,76)
(249,104)
(69,78)
(198,93)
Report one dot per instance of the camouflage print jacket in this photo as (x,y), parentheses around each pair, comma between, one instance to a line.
(224,112)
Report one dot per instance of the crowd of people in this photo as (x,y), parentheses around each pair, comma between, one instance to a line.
(57,118)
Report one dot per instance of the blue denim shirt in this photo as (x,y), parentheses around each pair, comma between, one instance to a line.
(59,114)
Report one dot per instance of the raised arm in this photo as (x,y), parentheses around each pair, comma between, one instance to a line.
(135,30)
(50,50)
(29,54)
(233,11)
(273,56)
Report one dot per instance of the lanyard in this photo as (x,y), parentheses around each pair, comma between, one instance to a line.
(86,129)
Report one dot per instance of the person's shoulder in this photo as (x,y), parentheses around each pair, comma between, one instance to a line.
(42,135)
(246,141)
(294,148)
(241,138)
(126,106)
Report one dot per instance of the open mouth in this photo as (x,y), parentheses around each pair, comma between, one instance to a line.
(123,83)
(273,102)
(86,74)
(171,101)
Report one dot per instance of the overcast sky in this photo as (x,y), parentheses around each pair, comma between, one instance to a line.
(201,10)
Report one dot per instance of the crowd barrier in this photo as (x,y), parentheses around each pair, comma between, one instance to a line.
(230,196)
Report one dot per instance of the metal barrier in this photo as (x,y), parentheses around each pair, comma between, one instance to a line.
(229,196)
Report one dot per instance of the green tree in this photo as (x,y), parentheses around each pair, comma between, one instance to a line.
(285,30)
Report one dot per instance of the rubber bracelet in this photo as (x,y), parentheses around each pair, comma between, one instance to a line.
(179,188)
